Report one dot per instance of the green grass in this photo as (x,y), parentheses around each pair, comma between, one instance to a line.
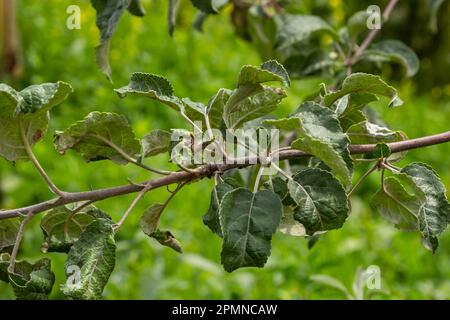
(198,65)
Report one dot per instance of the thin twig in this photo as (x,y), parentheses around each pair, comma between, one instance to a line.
(370,36)
(19,237)
(361,180)
(35,161)
(128,158)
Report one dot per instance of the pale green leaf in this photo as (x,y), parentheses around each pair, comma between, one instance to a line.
(150,218)
(393,51)
(62,228)
(156,142)
(298,28)
(321,200)
(101,135)
(33,105)
(364,83)
(94,254)
(248,222)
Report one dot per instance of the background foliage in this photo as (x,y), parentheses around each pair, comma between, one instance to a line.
(197,64)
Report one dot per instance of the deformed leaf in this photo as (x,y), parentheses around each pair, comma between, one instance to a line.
(155,142)
(93,255)
(216,106)
(320,135)
(393,51)
(151,86)
(32,281)
(109,13)
(268,71)
(211,219)
(434,214)
(99,136)
(167,239)
(248,222)
(364,83)
(62,228)
(8,233)
(397,205)
(32,105)
(290,226)
(277,68)
(321,200)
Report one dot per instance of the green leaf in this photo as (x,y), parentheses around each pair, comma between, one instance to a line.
(244,105)
(349,119)
(364,83)
(248,222)
(207,6)
(216,106)
(167,239)
(156,142)
(321,135)
(151,86)
(4,263)
(8,233)
(289,225)
(211,219)
(32,281)
(434,214)
(150,223)
(62,228)
(136,8)
(397,205)
(415,198)
(393,51)
(31,104)
(277,68)
(381,151)
(94,254)
(150,218)
(434,6)
(357,24)
(298,28)
(370,133)
(101,135)
(321,200)
(172,15)
(109,13)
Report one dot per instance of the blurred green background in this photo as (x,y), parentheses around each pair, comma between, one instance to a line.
(198,65)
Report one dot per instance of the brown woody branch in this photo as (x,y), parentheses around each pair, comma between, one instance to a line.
(202,172)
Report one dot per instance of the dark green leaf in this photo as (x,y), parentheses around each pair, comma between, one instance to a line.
(109,13)
(207,6)
(94,254)
(101,135)
(248,222)
(32,281)
(211,218)
(8,233)
(151,86)
(321,200)
(136,8)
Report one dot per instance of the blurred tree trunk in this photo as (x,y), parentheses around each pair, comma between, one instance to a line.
(10,53)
